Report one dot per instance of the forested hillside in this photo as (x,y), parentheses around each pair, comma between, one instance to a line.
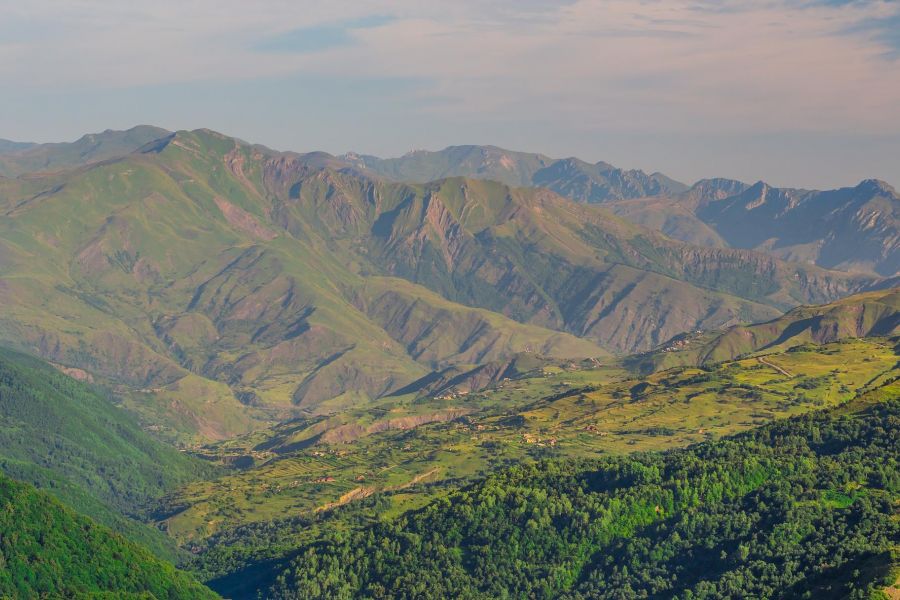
(48,551)
(802,508)
(62,435)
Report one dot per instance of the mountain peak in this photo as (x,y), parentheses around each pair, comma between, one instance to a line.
(876,187)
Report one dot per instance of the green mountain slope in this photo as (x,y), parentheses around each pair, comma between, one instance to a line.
(224,285)
(49,551)
(18,159)
(537,258)
(405,450)
(860,315)
(62,436)
(852,229)
(801,508)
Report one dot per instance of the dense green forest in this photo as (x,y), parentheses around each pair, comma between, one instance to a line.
(801,508)
(65,437)
(48,551)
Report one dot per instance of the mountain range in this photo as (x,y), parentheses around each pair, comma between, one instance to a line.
(18,158)
(545,377)
(219,283)
(569,177)
(852,229)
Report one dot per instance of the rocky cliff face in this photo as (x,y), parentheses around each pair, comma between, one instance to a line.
(850,229)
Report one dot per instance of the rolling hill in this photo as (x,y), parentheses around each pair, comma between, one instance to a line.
(412,447)
(438,517)
(803,507)
(222,285)
(860,315)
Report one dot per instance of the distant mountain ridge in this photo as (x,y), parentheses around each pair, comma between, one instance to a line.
(852,229)
(223,282)
(570,177)
(17,158)
(7,146)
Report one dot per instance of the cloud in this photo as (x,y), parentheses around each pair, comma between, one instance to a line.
(320,37)
(600,65)
(884,30)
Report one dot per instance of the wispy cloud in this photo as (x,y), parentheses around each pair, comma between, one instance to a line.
(320,37)
(593,66)
(883,29)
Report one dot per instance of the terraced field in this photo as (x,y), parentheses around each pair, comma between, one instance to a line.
(411,450)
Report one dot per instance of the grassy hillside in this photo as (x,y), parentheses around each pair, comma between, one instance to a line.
(62,436)
(408,449)
(19,159)
(860,315)
(221,286)
(804,507)
(853,229)
(49,551)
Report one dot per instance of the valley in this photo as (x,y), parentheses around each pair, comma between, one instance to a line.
(297,289)
(579,300)
(418,449)
(243,360)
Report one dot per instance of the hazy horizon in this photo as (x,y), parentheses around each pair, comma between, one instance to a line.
(799,93)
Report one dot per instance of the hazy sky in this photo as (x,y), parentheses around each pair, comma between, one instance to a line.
(796,92)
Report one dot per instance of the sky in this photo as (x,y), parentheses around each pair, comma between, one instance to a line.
(804,93)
